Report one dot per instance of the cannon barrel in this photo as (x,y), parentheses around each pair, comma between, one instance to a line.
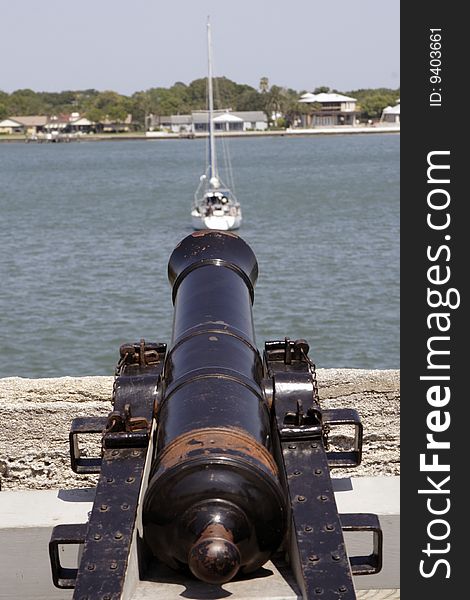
(214,501)
(215,457)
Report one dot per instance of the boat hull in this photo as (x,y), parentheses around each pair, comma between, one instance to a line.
(222,223)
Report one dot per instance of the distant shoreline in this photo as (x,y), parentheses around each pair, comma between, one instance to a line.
(157,135)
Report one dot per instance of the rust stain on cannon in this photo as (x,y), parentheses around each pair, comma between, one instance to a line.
(216,440)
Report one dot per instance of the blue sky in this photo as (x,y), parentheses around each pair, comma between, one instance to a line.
(127,46)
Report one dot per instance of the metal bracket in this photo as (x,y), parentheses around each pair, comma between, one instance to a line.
(317,550)
(80,426)
(125,436)
(293,389)
(344,416)
(365,522)
(65,578)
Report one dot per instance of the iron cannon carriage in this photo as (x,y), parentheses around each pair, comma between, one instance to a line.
(215,457)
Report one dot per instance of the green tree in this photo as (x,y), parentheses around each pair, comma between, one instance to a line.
(96,115)
(140,108)
(108,105)
(182,99)
(197,94)
(117,113)
(293,109)
(322,89)
(249,99)
(371,102)
(165,101)
(178,97)
(225,92)
(279,101)
(3,105)
(24,102)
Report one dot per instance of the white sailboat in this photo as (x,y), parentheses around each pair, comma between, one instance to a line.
(215,205)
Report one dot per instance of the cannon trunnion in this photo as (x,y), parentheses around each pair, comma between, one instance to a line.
(215,457)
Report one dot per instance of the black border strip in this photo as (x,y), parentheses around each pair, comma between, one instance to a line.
(433,126)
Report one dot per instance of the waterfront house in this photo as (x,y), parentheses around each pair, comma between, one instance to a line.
(228,120)
(10,126)
(224,120)
(197,121)
(108,125)
(81,125)
(253,120)
(329,110)
(57,123)
(31,125)
(391,114)
(172,123)
(69,123)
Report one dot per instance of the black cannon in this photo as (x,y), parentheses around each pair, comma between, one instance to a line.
(214,457)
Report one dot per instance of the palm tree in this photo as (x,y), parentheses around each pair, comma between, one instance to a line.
(263,85)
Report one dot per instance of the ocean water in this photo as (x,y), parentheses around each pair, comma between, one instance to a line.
(86,230)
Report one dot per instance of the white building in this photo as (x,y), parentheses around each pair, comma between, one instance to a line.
(391,114)
(11,126)
(31,124)
(330,109)
(198,121)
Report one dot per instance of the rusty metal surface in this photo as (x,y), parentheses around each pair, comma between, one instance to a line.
(216,441)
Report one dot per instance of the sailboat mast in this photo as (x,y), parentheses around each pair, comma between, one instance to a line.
(212,156)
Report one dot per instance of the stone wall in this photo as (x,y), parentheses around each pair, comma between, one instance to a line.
(35,417)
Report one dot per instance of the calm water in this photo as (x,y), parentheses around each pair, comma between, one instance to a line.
(87,228)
